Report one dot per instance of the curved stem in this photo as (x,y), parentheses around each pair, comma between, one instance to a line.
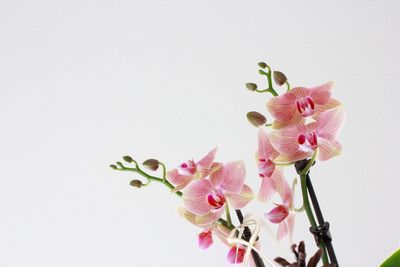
(228,215)
(165,182)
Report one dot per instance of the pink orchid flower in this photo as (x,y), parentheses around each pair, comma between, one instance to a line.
(187,171)
(300,102)
(271,176)
(284,214)
(300,141)
(208,197)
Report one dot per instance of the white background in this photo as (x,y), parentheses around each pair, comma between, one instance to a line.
(83,83)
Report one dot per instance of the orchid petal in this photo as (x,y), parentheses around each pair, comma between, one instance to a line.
(205,239)
(321,94)
(236,255)
(229,177)
(277,214)
(282,230)
(282,108)
(222,233)
(329,123)
(174,177)
(285,140)
(328,149)
(195,197)
(265,149)
(209,218)
(238,201)
(208,159)
(332,103)
(290,225)
(267,189)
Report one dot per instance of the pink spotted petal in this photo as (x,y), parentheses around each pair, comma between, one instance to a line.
(208,160)
(195,197)
(229,177)
(277,214)
(238,201)
(205,239)
(321,94)
(328,149)
(265,148)
(267,189)
(236,255)
(283,107)
(332,103)
(329,123)
(285,140)
(282,230)
(175,178)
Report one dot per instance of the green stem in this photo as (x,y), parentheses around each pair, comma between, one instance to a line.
(228,215)
(165,182)
(270,88)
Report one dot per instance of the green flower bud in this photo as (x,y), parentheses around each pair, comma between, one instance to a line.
(256,118)
(279,78)
(114,167)
(262,65)
(251,86)
(151,164)
(136,183)
(128,159)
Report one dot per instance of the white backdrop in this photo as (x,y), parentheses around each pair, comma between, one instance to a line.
(84,82)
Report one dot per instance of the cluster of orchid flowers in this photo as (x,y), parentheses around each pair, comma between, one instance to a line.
(306,121)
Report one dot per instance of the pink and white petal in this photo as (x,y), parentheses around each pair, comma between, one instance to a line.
(292,158)
(205,239)
(267,189)
(238,201)
(265,148)
(285,140)
(175,178)
(187,215)
(182,185)
(299,93)
(208,159)
(283,107)
(229,177)
(297,119)
(195,197)
(321,94)
(332,103)
(236,255)
(328,149)
(282,230)
(209,218)
(330,122)
(282,187)
(290,225)
(277,214)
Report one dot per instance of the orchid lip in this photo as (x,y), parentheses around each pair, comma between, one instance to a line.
(187,168)
(308,142)
(305,106)
(216,199)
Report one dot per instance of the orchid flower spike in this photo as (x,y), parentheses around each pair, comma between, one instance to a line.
(295,105)
(300,141)
(208,197)
(190,170)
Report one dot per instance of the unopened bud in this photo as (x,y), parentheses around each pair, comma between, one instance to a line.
(251,86)
(128,159)
(256,118)
(262,65)
(114,167)
(279,78)
(136,183)
(152,164)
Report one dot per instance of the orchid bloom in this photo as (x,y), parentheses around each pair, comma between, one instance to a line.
(295,105)
(284,214)
(300,141)
(208,197)
(271,176)
(187,171)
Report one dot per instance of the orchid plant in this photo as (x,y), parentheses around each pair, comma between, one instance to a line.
(306,123)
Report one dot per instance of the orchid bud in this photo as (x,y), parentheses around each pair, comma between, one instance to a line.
(128,159)
(251,86)
(136,183)
(262,65)
(279,78)
(114,167)
(151,164)
(255,118)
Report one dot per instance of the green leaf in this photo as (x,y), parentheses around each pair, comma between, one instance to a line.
(393,260)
